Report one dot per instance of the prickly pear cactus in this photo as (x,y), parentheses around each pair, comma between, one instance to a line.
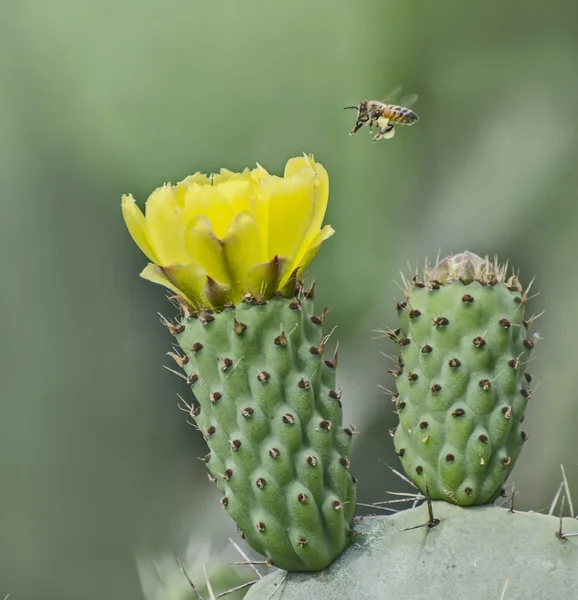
(479,553)
(271,414)
(462,385)
(232,248)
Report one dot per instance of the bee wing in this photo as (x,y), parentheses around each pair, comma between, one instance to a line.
(392,96)
(408,100)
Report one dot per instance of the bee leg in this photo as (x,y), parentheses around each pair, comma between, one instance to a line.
(385,133)
(357,127)
(388,132)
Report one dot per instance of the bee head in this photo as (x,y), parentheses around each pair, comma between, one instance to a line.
(362,113)
(361,108)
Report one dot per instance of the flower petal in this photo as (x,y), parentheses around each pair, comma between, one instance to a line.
(208,201)
(198,178)
(242,248)
(323,235)
(290,211)
(239,194)
(225,175)
(260,207)
(136,224)
(190,279)
(294,165)
(182,186)
(207,249)
(259,173)
(165,226)
(319,200)
(185,281)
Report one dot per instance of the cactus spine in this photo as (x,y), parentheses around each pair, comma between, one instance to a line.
(271,414)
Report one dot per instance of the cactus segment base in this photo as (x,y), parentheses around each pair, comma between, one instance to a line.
(474,553)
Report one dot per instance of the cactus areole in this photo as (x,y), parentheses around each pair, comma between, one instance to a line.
(462,385)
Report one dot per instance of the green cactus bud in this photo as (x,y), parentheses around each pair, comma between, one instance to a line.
(480,553)
(462,388)
(271,415)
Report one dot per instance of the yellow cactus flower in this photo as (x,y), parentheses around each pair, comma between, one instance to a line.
(214,239)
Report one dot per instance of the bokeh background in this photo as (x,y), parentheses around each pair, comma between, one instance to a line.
(98,467)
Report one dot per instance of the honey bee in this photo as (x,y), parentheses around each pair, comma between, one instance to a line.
(384,116)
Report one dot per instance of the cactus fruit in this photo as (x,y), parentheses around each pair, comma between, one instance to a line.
(271,415)
(477,553)
(461,385)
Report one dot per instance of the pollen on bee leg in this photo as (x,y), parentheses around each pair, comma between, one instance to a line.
(384,133)
(382,122)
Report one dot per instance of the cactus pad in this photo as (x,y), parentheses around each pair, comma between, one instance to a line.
(461,385)
(480,553)
(271,414)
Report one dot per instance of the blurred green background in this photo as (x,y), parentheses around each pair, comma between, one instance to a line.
(99,98)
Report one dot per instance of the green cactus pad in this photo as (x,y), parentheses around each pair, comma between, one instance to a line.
(462,388)
(271,414)
(480,553)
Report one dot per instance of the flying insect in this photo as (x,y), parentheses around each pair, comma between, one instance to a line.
(384,116)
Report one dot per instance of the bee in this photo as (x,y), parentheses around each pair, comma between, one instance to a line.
(384,116)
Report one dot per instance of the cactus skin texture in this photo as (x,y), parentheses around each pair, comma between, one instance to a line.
(461,387)
(271,415)
(479,553)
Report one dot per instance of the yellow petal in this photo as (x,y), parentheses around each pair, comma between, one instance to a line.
(239,194)
(259,173)
(319,200)
(311,253)
(165,226)
(299,163)
(155,274)
(208,201)
(198,178)
(136,224)
(190,278)
(260,208)
(182,186)
(290,211)
(261,214)
(226,175)
(207,249)
(242,248)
